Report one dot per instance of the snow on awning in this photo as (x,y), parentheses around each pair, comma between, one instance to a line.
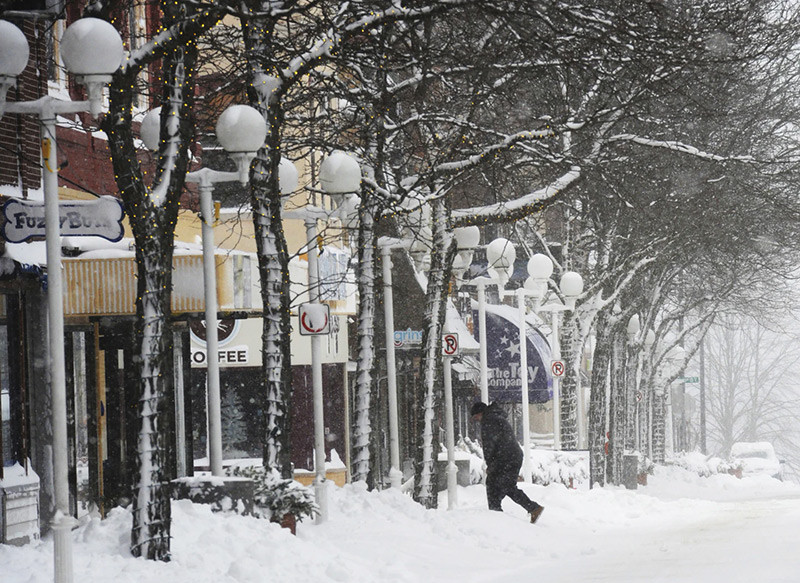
(468,369)
(454,323)
(104,283)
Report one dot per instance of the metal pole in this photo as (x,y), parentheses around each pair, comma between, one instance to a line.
(320,488)
(482,340)
(669,422)
(395,475)
(62,521)
(703,442)
(212,336)
(452,469)
(523,377)
(556,387)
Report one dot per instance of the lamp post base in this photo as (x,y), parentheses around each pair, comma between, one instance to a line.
(62,548)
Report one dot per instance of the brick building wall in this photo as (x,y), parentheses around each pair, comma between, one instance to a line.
(20,136)
(88,165)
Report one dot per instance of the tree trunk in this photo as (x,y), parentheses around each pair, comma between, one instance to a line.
(571,348)
(659,425)
(645,408)
(150,536)
(152,214)
(273,257)
(616,437)
(426,491)
(597,406)
(361,468)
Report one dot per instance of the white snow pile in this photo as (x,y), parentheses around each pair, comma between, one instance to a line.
(680,527)
(701,464)
(570,468)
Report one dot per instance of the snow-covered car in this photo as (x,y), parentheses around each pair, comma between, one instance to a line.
(757,458)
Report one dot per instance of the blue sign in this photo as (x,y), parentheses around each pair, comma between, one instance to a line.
(503,362)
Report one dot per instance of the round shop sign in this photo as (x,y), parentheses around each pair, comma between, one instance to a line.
(226,330)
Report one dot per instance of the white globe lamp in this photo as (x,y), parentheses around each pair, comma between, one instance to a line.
(340,173)
(633,327)
(241,128)
(649,339)
(467,237)
(501,255)
(150,129)
(571,286)
(14,51)
(288,177)
(540,268)
(92,50)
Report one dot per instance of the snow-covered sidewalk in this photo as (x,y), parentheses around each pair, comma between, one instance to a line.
(678,528)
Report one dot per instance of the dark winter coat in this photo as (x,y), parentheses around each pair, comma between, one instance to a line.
(501,451)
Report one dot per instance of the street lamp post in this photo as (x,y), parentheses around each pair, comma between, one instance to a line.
(466,239)
(500,255)
(449,433)
(92,50)
(339,175)
(540,267)
(241,130)
(571,286)
(386,245)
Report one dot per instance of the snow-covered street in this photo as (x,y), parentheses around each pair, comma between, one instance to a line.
(678,528)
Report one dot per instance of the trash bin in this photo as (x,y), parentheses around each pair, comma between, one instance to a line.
(630,471)
(462,475)
(19,506)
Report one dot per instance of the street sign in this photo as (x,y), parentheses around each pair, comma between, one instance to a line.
(691,379)
(557,368)
(639,396)
(315,320)
(450,344)
(24,219)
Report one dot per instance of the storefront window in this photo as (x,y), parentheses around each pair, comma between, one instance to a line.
(5,396)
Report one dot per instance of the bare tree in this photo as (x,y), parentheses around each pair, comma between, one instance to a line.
(750,384)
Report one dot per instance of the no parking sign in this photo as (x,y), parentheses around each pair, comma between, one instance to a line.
(450,344)
(557,368)
(315,320)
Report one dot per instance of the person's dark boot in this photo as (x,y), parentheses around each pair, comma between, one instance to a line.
(536,513)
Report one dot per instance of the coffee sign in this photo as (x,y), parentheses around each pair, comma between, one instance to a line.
(24,219)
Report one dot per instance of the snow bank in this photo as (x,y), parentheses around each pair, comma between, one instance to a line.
(604,534)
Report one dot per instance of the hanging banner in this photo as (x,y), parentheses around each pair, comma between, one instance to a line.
(503,362)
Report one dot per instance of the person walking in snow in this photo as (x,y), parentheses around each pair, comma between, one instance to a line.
(503,457)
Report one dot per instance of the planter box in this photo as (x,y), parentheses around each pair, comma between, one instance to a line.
(223,493)
(288,521)
(306,477)
(462,474)
(737,472)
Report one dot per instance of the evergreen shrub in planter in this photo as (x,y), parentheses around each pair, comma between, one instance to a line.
(278,499)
